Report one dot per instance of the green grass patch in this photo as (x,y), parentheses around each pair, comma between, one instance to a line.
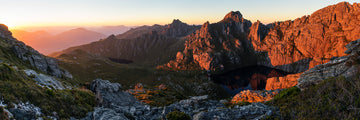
(16,86)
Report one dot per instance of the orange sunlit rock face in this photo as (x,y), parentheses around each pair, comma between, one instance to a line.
(282,82)
(250,78)
(273,83)
(139,87)
(253,96)
(256,80)
(321,36)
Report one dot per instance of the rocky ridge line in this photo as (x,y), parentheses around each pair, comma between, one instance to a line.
(296,46)
(147,44)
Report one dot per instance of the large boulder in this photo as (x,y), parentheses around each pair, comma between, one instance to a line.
(110,94)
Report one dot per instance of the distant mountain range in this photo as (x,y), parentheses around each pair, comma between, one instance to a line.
(106,30)
(47,43)
(152,45)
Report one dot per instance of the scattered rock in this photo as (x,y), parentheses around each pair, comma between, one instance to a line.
(122,105)
(45,80)
(105,114)
(253,111)
(25,111)
(21,114)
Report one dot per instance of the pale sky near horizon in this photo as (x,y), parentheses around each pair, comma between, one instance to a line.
(24,13)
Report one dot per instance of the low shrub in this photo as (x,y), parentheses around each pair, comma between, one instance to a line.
(177,115)
(334,98)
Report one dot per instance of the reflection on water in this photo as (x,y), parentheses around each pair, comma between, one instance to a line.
(248,78)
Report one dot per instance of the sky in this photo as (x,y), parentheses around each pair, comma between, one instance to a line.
(30,13)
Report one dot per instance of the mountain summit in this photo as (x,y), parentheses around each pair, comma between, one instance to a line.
(235,16)
(216,46)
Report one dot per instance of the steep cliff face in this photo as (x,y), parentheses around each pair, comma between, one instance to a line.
(292,46)
(217,46)
(28,54)
(148,44)
(347,66)
(295,46)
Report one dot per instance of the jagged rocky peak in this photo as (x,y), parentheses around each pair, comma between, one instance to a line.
(176,22)
(235,16)
(112,36)
(258,32)
(178,29)
(4,31)
(217,46)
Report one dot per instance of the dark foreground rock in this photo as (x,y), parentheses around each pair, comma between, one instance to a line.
(115,104)
(21,114)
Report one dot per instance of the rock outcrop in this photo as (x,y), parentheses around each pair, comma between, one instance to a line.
(28,54)
(217,46)
(282,82)
(23,111)
(110,94)
(346,66)
(116,104)
(253,111)
(296,46)
(45,80)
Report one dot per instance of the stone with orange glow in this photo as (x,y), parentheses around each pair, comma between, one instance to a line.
(287,81)
(139,88)
(254,96)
